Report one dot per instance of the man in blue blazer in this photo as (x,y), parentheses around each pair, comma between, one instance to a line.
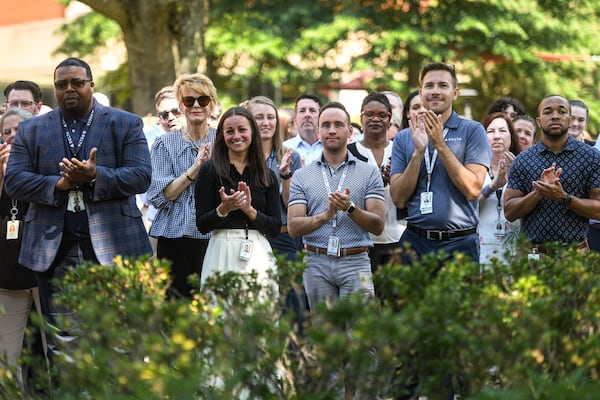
(79,167)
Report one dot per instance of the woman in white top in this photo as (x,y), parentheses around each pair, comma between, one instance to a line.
(376,149)
(496,234)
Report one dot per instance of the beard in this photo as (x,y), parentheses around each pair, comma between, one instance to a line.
(556,134)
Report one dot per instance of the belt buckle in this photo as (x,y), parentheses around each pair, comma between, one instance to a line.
(433,235)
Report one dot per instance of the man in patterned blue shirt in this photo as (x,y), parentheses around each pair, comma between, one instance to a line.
(554,187)
(335,202)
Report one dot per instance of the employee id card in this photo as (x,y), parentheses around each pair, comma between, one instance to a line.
(12,229)
(246,250)
(333,246)
(500,230)
(75,203)
(534,255)
(426,202)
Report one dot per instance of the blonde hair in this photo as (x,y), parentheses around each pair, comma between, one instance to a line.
(197,82)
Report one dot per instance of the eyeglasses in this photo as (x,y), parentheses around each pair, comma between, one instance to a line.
(380,114)
(164,115)
(189,101)
(20,104)
(62,84)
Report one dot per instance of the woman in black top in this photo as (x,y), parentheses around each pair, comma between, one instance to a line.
(18,287)
(238,199)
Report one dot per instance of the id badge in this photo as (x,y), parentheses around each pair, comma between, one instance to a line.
(333,246)
(12,229)
(75,203)
(500,230)
(534,255)
(246,250)
(426,202)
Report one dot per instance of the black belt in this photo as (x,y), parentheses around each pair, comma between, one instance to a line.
(434,234)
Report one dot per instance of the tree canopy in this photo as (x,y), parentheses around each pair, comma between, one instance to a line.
(524,49)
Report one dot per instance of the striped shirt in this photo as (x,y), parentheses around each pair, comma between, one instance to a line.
(308,187)
(171,156)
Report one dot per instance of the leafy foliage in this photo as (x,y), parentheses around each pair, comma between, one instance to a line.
(278,48)
(525,330)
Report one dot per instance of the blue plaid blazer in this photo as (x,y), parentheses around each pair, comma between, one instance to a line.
(123,169)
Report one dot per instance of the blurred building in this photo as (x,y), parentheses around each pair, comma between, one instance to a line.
(29,35)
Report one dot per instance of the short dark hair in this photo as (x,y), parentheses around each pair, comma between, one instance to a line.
(438,66)
(338,105)
(554,95)
(406,108)
(33,87)
(167,92)
(499,105)
(75,62)
(379,98)
(309,96)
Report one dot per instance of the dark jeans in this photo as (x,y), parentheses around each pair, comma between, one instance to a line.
(467,245)
(383,254)
(68,256)
(284,244)
(594,237)
(296,299)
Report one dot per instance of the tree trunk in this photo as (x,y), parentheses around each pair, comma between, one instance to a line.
(163,39)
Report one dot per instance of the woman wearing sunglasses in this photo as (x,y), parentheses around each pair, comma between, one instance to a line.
(176,160)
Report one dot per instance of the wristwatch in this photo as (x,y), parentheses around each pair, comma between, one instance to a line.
(567,200)
(286,176)
(350,208)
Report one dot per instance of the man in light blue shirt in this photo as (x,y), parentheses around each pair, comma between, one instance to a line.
(307,142)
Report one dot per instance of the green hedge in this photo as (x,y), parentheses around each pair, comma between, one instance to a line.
(534,324)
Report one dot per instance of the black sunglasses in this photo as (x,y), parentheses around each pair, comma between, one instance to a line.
(189,101)
(62,84)
(164,115)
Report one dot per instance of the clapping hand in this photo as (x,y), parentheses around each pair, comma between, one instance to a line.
(203,154)
(245,202)
(418,132)
(549,185)
(340,201)
(74,172)
(434,128)
(4,152)
(230,202)
(284,166)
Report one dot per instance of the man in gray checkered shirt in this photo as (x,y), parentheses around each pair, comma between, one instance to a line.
(335,202)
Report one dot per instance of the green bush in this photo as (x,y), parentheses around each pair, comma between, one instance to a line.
(528,330)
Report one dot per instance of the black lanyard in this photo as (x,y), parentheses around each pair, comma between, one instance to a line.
(75,150)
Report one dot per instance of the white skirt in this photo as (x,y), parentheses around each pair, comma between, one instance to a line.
(223,254)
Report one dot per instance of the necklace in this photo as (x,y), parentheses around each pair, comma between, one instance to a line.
(196,146)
